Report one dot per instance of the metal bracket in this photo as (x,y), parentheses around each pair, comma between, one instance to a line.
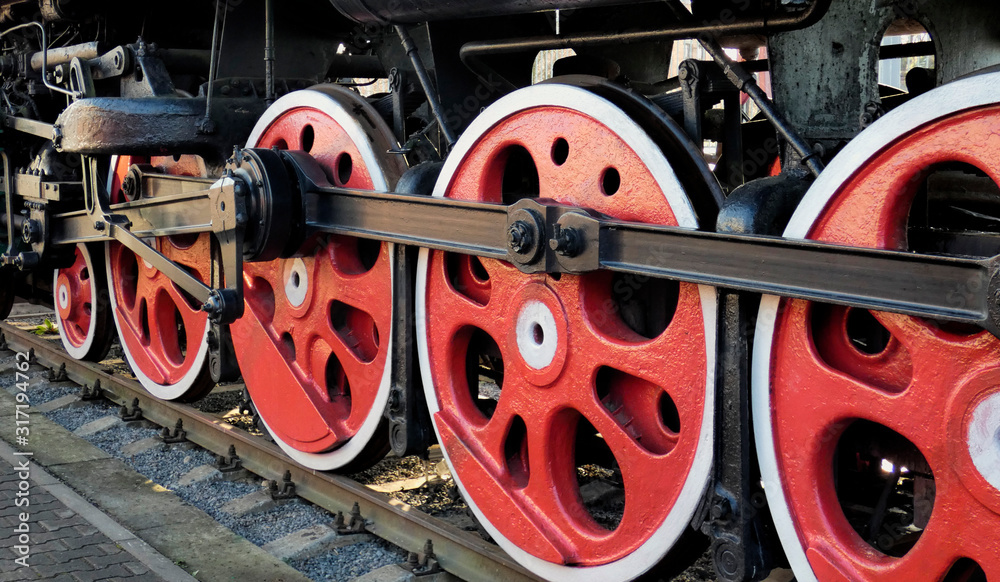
(355,525)
(88,393)
(287,489)
(133,415)
(58,374)
(177,436)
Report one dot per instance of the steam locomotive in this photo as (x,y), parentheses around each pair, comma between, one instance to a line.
(657,276)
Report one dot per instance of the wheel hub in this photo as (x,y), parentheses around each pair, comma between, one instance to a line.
(540,334)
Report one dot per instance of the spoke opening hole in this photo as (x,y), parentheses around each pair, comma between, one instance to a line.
(84,274)
(128,274)
(260,298)
(144,321)
(357,329)
(884,485)
(515,452)
(867,335)
(537,334)
(288,346)
(560,151)
(520,175)
(354,256)
(670,417)
(469,277)
(181,335)
(598,477)
(308,137)
(280,144)
(645,305)
(345,168)
(483,370)
(368,253)
(184,241)
(88,309)
(965,570)
(611,181)
(643,411)
(337,386)
(955,211)
(854,342)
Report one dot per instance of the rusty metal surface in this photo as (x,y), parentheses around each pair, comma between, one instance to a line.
(464,556)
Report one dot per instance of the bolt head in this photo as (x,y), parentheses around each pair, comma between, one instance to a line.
(519,237)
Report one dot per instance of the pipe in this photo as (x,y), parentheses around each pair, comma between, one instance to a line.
(206,125)
(471,52)
(45,58)
(61,56)
(425,81)
(270,93)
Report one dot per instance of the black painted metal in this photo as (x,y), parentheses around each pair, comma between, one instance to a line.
(473,52)
(144,127)
(414,11)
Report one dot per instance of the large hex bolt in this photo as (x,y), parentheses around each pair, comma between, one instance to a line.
(519,237)
(31,232)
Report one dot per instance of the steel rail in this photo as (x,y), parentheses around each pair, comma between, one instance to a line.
(394,521)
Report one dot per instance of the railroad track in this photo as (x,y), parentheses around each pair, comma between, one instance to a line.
(459,553)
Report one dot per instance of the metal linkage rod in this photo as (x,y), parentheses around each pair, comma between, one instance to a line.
(746,83)
(426,83)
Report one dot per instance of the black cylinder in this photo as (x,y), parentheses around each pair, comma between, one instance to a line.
(412,11)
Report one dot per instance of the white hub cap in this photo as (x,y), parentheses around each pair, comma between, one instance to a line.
(63,297)
(537,337)
(297,283)
(984,439)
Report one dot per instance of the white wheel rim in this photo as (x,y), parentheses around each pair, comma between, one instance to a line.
(335,109)
(961,95)
(161,391)
(667,533)
(63,298)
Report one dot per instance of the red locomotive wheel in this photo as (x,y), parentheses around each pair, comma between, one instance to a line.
(163,332)
(878,433)
(314,342)
(587,451)
(83,311)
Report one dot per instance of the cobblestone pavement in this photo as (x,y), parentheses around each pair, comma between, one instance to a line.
(61,545)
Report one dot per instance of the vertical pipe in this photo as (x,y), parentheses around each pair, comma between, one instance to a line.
(206,125)
(9,203)
(269,50)
(425,82)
